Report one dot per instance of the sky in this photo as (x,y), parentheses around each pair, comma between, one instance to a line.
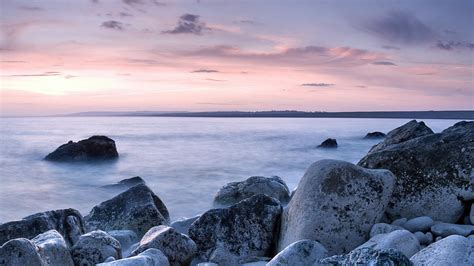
(66,56)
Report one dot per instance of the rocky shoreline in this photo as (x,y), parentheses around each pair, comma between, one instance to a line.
(407,202)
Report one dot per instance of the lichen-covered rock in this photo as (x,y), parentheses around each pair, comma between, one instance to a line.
(375,135)
(303,252)
(20,252)
(401,240)
(434,173)
(328,143)
(336,204)
(149,257)
(447,229)
(95,247)
(68,222)
(126,183)
(126,238)
(236,191)
(368,256)
(383,228)
(93,148)
(452,250)
(183,226)
(53,249)
(137,209)
(177,247)
(422,224)
(246,229)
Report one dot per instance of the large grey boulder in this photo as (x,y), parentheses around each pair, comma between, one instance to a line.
(410,130)
(452,250)
(149,257)
(53,249)
(336,204)
(20,252)
(432,171)
(236,191)
(401,240)
(303,252)
(246,229)
(177,247)
(94,148)
(137,209)
(95,247)
(447,229)
(368,256)
(68,222)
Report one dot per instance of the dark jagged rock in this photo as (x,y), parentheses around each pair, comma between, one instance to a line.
(95,247)
(68,222)
(368,256)
(91,149)
(236,191)
(20,252)
(126,183)
(244,230)
(137,209)
(375,135)
(434,173)
(53,249)
(329,143)
(336,203)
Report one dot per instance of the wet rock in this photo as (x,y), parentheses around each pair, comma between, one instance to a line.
(126,183)
(447,229)
(177,247)
(53,249)
(95,247)
(236,191)
(401,240)
(336,204)
(149,257)
(126,238)
(368,256)
(383,228)
(182,226)
(246,229)
(452,250)
(303,252)
(91,149)
(375,135)
(422,224)
(137,209)
(328,143)
(20,252)
(432,171)
(68,222)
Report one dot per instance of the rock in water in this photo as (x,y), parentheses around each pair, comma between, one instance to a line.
(329,143)
(93,148)
(432,171)
(452,250)
(149,257)
(374,135)
(246,229)
(20,252)
(336,204)
(53,249)
(303,252)
(410,130)
(68,222)
(368,256)
(401,240)
(236,191)
(137,209)
(95,247)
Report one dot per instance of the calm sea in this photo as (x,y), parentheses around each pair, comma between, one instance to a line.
(184,160)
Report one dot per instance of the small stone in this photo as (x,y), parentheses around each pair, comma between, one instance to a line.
(422,238)
(447,229)
(328,143)
(383,228)
(400,222)
(422,224)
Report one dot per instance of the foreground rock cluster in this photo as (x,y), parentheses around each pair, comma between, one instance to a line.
(407,202)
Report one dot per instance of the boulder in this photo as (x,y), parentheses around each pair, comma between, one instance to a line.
(410,130)
(68,222)
(149,257)
(383,228)
(422,224)
(177,247)
(126,183)
(137,209)
(126,238)
(182,226)
(432,171)
(95,247)
(452,250)
(447,229)
(246,229)
(336,204)
(328,143)
(375,135)
(91,149)
(53,249)
(303,252)
(368,256)
(401,240)
(20,252)
(236,191)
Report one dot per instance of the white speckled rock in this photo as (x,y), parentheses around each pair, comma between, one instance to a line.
(446,229)
(95,247)
(367,257)
(53,249)
(303,252)
(336,204)
(452,250)
(383,228)
(20,252)
(126,238)
(421,224)
(149,257)
(402,240)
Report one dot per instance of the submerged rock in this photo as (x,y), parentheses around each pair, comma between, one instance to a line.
(236,191)
(149,257)
(53,249)
(401,240)
(20,252)
(246,229)
(303,252)
(328,143)
(93,148)
(126,183)
(434,173)
(68,222)
(336,204)
(95,247)
(452,250)
(374,135)
(137,209)
(368,256)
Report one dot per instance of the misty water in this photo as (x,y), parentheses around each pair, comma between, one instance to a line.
(184,160)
